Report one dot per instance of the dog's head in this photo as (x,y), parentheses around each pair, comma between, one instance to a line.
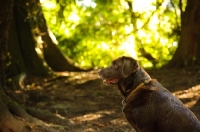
(120,68)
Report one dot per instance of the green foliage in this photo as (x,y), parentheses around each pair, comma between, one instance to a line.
(92,33)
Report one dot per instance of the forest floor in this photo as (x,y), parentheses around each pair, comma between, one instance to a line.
(82,103)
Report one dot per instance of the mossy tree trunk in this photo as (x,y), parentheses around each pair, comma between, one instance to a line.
(15,58)
(13,117)
(7,123)
(52,54)
(21,46)
(188,51)
(5,16)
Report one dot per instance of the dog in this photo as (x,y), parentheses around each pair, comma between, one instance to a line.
(148,106)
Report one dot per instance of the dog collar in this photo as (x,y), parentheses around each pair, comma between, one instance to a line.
(125,101)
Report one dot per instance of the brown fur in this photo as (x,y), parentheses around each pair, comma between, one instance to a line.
(151,108)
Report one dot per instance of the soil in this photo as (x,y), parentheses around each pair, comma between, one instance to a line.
(80,102)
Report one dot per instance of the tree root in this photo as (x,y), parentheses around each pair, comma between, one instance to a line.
(47,116)
(14,118)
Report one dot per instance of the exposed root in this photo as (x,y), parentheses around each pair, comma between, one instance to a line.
(14,118)
(47,116)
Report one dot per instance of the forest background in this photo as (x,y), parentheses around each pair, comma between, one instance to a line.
(44,40)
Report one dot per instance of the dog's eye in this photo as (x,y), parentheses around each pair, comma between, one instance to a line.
(114,65)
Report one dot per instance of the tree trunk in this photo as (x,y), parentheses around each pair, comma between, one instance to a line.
(7,122)
(13,118)
(52,54)
(5,16)
(33,63)
(188,51)
(15,58)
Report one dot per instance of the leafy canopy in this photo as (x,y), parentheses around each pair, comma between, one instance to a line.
(93,32)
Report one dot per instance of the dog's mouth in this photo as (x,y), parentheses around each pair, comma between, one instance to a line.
(110,81)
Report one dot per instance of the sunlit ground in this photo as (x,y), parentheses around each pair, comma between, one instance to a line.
(192,95)
(92,116)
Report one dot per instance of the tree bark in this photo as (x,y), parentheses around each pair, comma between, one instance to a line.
(5,16)
(188,51)
(15,58)
(7,122)
(52,54)
(33,63)
(13,118)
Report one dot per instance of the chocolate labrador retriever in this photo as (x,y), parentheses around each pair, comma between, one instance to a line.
(148,106)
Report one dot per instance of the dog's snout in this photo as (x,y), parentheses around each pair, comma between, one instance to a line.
(99,71)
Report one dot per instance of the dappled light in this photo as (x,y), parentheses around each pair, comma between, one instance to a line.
(52,53)
(89,105)
(189,96)
(91,116)
(77,77)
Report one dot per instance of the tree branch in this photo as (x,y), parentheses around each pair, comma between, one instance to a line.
(180,6)
(133,16)
(175,14)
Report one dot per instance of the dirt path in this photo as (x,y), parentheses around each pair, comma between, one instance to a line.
(93,107)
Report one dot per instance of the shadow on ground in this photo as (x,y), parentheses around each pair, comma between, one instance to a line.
(91,106)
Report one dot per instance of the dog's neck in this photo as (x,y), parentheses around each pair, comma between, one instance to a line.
(131,82)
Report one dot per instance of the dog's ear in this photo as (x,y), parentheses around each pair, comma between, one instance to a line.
(130,65)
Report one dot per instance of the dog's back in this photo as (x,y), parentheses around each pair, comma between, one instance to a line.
(159,111)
